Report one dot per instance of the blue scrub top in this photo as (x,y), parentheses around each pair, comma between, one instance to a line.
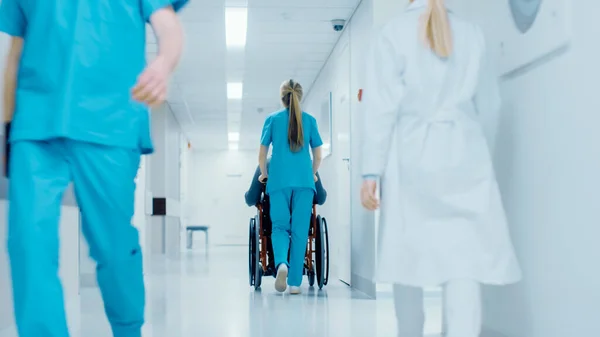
(287,168)
(80,60)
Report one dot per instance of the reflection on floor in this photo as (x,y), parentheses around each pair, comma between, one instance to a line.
(210,297)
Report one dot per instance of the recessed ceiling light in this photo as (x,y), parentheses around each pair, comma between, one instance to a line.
(235,90)
(236,25)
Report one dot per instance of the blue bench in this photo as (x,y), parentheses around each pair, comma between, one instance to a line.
(190,234)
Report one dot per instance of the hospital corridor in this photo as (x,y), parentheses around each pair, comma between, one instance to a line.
(203,296)
(311,168)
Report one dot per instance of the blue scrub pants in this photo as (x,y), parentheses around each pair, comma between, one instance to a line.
(104,185)
(291,210)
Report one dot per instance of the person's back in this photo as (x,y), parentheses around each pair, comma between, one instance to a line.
(442,220)
(283,158)
(438,94)
(69,52)
(437,87)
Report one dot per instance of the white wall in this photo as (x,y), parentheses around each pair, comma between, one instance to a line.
(339,72)
(184,184)
(140,216)
(164,232)
(218,181)
(343,73)
(335,78)
(165,162)
(549,172)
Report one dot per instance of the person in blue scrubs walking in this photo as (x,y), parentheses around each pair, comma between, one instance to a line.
(77,87)
(291,182)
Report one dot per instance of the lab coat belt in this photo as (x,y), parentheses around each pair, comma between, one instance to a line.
(445,116)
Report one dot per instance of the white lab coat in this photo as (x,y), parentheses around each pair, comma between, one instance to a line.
(441,213)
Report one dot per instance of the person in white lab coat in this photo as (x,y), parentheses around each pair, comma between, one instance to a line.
(442,219)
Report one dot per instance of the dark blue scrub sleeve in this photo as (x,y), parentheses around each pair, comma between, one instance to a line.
(253,194)
(256,188)
(321,195)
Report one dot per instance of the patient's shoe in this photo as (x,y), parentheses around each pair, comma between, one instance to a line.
(295,290)
(281,278)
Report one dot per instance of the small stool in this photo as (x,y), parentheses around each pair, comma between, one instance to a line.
(190,234)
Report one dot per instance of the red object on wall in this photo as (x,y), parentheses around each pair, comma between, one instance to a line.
(189,145)
(360,91)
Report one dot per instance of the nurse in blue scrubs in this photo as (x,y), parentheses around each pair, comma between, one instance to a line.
(76,88)
(291,182)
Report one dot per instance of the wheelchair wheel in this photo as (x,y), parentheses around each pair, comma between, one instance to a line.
(251,248)
(326,236)
(322,252)
(258,271)
(311,277)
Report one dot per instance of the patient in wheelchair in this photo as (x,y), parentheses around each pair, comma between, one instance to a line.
(256,188)
(255,192)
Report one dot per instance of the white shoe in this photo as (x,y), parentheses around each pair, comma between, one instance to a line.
(295,290)
(281,278)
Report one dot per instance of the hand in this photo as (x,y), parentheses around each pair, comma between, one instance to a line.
(368,196)
(263,178)
(151,87)
(316,178)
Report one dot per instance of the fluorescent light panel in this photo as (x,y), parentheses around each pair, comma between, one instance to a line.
(233,137)
(236,26)
(235,90)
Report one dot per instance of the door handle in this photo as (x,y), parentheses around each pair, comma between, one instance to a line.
(347,161)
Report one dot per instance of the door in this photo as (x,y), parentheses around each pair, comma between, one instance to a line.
(341,152)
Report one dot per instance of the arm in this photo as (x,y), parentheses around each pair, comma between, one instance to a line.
(383,94)
(152,84)
(262,160)
(265,141)
(317,158)
(316,144)
(253,194)
(10,91)
(169,34)
(13,23)
(10,78)
(321,195)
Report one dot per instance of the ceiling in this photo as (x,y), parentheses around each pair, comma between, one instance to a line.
(285,39)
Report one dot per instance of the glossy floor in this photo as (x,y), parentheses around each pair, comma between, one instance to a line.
(208,296)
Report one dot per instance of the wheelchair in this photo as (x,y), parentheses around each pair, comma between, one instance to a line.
(261,261)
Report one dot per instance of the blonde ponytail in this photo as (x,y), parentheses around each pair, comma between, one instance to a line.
(291,95)
(435,29)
